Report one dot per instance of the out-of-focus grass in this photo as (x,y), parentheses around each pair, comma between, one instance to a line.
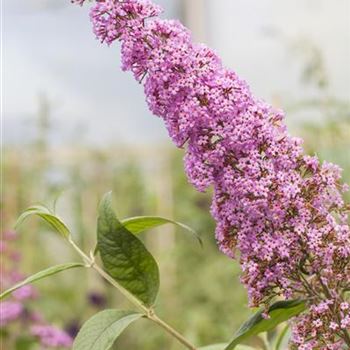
(200,286)
(200,290)
(201,294)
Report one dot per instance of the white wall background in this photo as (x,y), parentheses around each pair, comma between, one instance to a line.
(48,48)
(255,37)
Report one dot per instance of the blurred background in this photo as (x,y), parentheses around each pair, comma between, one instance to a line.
(76,127)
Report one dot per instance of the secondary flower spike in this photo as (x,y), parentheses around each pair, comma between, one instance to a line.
(281,210)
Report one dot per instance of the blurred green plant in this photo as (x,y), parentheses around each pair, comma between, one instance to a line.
(131,269)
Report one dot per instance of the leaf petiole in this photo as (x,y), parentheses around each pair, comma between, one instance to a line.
(149,312)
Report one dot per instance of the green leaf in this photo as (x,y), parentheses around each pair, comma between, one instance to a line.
(101,331)
(41,275)
(139,224)
(279,312)
(281,337)
(125,257)
(48,216)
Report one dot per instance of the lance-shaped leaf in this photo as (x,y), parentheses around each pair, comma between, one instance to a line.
(48,216)
(280,339)
(125,257)
(140,224)
(41,275)
(279,312)
(101,331)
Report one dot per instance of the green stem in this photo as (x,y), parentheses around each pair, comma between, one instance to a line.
(149,312)
(171,331)
(327,293)
(281,336)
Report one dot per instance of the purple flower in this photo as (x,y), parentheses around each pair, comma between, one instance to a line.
(3,247)
(10,235)
(24,293)
(10,311)
(97,299)
(282,210)
(52,337)
(17,309)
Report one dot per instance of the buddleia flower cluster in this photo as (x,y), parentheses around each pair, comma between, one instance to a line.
(279,211)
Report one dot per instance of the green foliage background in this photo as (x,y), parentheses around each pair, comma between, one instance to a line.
(200,291)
